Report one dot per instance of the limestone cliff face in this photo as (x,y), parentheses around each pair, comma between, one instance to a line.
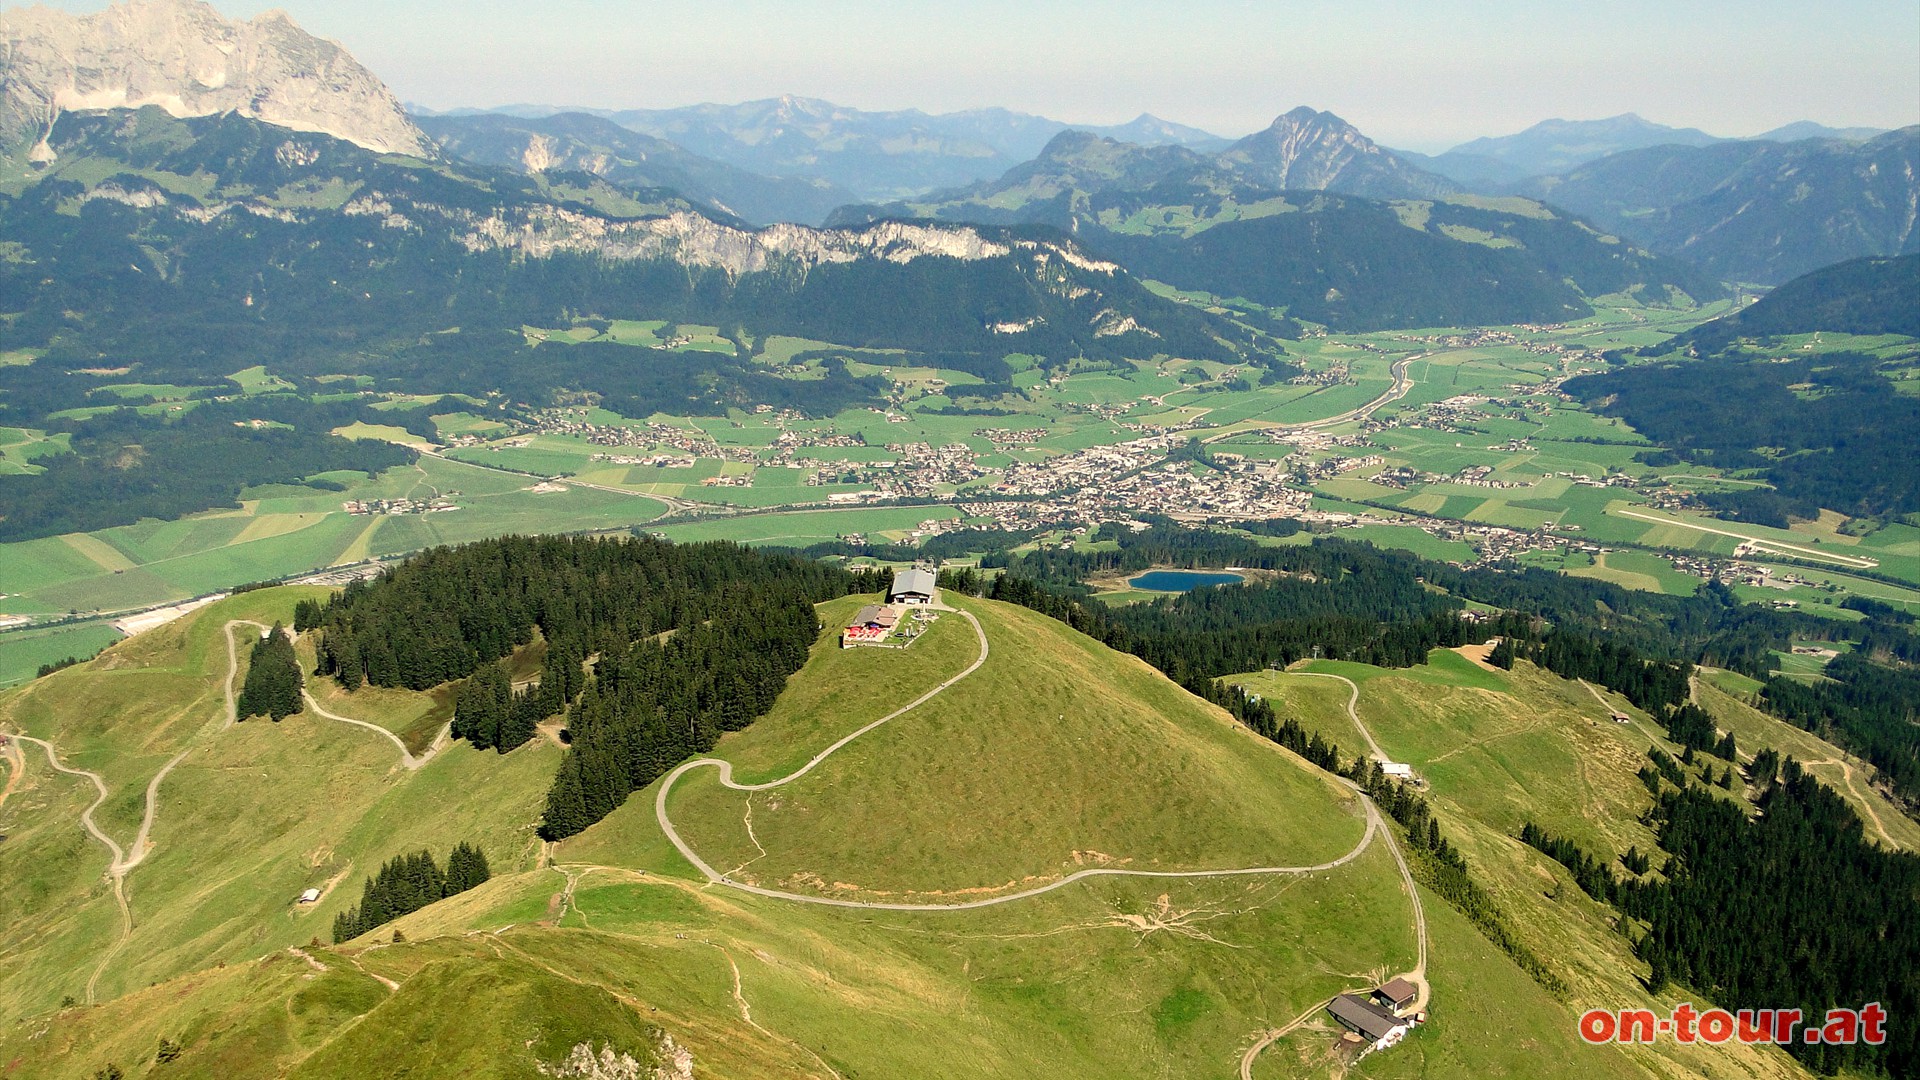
(694,240)
(182,56)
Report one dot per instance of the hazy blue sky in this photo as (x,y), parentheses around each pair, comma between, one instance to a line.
(1417,75)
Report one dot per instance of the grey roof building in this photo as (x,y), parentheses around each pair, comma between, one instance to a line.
(913,586)
(1367,1019)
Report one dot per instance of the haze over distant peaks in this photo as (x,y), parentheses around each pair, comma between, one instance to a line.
(1807,129)
(182,56)
(875,155)
(1553,146)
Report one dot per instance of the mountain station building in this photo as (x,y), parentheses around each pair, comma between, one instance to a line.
(915,586)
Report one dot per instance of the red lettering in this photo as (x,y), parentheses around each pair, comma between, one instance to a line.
(1716,1026)
(1637,1025)
(1843,1026)
(1683,1018)
(1873,1024)
(1756,1026)
(1597,1026)
(1784,1021)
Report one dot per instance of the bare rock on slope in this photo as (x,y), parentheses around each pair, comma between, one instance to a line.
(183,56)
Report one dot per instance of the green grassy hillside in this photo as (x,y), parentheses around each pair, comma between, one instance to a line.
(1499,748)
(943,801)
(1052,749)
(251,815)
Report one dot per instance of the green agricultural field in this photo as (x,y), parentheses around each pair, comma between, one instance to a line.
(19,447)
(1640,570)
(282,531)
(22,652)
(257,380)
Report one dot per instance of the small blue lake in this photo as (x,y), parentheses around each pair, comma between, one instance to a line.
(1182,580)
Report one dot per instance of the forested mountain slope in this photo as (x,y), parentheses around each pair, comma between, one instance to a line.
(1828,426)
(195,248)
(1758,211)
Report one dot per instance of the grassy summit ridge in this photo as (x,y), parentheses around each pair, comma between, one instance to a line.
(1058,754)
(1056,745)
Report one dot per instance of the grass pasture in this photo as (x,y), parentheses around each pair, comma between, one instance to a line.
(284,530)
(1118,725)
(22,652)
(250,816)
(1056,755)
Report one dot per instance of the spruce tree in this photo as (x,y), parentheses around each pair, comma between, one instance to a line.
(466,867)
(273,683)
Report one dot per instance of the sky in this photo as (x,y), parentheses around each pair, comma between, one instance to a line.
(1416,75)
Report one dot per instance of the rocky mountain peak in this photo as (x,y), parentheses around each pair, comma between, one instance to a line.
(184,57)
(1305,149)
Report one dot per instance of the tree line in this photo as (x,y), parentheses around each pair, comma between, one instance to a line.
(126,465)
(686,642)
(1791,907)
(1340,599)
(407,883)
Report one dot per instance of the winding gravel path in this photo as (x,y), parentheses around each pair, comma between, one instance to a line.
(1353,709)
(407,757)
(1418,976)
(1374,825)
(123,860)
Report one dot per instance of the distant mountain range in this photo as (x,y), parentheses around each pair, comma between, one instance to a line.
(1754,211)
(1307,215)
(182,56)
(1302,150)
(875,155)
(1225,225)
(579,142)
(195,245)
(1555,146)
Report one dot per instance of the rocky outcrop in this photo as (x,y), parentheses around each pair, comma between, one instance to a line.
(182,56)
(694,240)
(1305,150)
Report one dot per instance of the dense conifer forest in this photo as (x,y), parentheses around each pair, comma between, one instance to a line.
(273,681)
(1826,428)
(1791,907)
(127,465)
(685,641)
